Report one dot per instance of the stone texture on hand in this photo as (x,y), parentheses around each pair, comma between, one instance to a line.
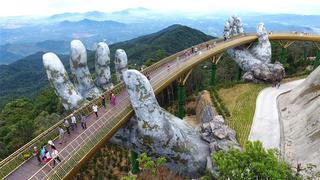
(72,96)
(59,79)
(103,79)
(156,131)
(121,63)
(255,61)
(80,71)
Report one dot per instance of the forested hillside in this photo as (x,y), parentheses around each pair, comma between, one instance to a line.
(26,77)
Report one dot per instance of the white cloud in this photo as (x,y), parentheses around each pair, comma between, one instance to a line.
(49,7)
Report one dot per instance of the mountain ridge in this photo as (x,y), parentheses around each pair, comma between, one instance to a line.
(26,77)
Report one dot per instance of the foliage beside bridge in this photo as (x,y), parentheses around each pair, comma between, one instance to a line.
(240,100)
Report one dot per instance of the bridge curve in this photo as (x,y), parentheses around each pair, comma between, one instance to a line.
(84,144)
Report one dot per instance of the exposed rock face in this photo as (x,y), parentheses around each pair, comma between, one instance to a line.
(103,79)
(301,123)
(121,63)
(79,69)
(156,131)
(204,111)
(255,61)
(58,78)
(213,129)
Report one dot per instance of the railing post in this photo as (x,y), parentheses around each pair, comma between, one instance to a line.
(181,93)
(134,162)
(283,55)
(181,100)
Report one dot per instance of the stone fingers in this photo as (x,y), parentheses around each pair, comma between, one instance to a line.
(102,66)
(262,49)
(59,79)
(121,63)
(80,71)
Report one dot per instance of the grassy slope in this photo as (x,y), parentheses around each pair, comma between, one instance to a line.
(241,101)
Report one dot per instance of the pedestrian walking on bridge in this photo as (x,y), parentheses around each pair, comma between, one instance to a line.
(67,125)
(95,109)
(103,101)
(83,122)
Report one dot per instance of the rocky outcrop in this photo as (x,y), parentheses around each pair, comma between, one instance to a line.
(299,113)
(204,108)
(121,63)
(103,74)
(59,79)
(255,61)
(80,71)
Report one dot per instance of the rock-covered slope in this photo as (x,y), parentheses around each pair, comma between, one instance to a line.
(300,114)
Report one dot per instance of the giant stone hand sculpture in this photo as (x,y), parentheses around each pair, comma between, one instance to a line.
(255,61)
(153,130)
(72,96)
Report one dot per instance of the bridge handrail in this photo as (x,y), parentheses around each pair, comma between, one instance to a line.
(18,157)
(101,121)
(26,149)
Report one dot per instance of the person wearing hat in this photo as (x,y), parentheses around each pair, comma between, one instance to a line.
(51,144)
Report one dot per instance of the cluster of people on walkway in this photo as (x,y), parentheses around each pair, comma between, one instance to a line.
(52,156)
(45,156)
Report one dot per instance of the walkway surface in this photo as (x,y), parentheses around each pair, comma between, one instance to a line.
(266,124)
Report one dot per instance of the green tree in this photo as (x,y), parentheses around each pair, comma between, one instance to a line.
(254,162)
(149,167)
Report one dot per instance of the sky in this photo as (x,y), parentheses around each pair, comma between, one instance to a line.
(50,7)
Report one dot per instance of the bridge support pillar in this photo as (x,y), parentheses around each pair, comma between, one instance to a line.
(134,163)
(181,94)
(214,60)
(283,55)
(316,62)
(213,74)
(181,100)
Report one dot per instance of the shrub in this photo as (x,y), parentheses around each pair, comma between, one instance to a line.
(254,162)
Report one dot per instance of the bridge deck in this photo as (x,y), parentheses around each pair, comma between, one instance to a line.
(160,77)
(29,168)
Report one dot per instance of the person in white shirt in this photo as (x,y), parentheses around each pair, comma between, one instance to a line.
(95,109)
(73,122)
(55,156)
(61,135)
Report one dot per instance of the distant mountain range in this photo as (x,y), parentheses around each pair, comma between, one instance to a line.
(19,35)
(26,77)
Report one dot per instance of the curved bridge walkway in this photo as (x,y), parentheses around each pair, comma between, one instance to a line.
(82,144)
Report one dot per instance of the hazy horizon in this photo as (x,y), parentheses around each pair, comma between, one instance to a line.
(49,7)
